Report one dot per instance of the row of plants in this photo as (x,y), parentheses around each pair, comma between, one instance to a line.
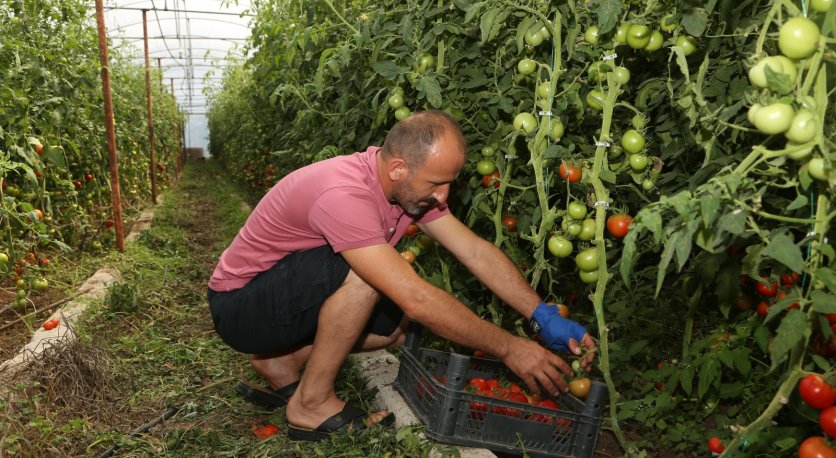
(665,169)
(56,190)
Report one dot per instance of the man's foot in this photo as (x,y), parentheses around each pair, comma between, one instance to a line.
(349,419)
(267,397)
(279,370)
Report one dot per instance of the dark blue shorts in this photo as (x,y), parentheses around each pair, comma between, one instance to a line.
(278,310)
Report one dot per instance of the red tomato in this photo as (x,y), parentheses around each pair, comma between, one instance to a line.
(827,421)
(715,445)
(491,384)
(510,223)
(477,384)
(411,230)
(477,410)
(767,289)
(618,225)
(51,324)
(816,392)
(787,280)
(569,172)
(514,388)
(264,431)
(763,309)
(547,419)
(815,447)
(492,178)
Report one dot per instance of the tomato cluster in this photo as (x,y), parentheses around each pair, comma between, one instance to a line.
(510,391)
(819,394)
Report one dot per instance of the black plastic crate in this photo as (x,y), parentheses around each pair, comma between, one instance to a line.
(452,415)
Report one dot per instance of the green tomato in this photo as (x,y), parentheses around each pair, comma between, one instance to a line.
(573,229)
(556,132)
(802,128)
(638,162)
(424,241)
(753,110)
(559,246)
(778,64)
(485,167)
(656,41)
(774,119)
(402,113)
(488,151)
(425,62)
(591,35)
(588,276)
(821,5)
(801,154)
(587,260)
(533,37)
(648,184)
(398,90)
(816,169)
(688,44)
(798,38)
(525,123)
(638,36)
(632,142)
(621,33)
(622,75)
(396,100)
(527,66)
(668,23)
(576,210)
(21,294)
(544,90)
(598,71)
(587,230)
(4,259)
(638,121)
(595,99)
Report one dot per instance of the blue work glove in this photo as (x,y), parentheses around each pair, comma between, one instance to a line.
(553,329)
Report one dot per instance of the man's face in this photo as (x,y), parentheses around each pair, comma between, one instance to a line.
(430,184)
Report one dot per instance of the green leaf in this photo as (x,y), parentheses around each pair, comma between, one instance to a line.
(709,206)
(799,202)
(827,276)
(783,249)
(608,12)
(694,21)
(55,156)
(762,338)
(492,22)
(432,91)
(388,69)
(790,332)
(686,379)
(709,375)
(741,361)
(823,302)
(727,358)
(734,222)
(777,81)
(822,363)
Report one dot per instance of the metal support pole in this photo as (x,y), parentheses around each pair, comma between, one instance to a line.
(150,113)
(115,191)
(164,153)
(176,132)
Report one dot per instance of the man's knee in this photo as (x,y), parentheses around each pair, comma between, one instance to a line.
(359,288)
(398,337)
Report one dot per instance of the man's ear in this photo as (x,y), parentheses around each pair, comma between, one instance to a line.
(397,169)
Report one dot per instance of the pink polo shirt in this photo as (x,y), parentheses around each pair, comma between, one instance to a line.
(338,202)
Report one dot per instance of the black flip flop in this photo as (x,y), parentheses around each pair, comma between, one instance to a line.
(350,419)
(267,397)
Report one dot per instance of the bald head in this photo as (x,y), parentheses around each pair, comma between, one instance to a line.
(414,138)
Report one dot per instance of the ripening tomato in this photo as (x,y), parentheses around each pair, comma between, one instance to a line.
(510,223)
(409,256)
(265,431)
(816,392)
(411,230)
(570,172)
(715,445)
(580,387)
(815,447)
(763,309)
(492,178)
(618,225)
(798,38)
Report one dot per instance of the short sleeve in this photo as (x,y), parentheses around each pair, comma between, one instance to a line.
(433,214)
(347,218)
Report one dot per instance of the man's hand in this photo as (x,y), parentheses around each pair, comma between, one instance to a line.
(562,334)
(534,364)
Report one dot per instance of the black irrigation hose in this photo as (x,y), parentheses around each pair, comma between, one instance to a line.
(143,429)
